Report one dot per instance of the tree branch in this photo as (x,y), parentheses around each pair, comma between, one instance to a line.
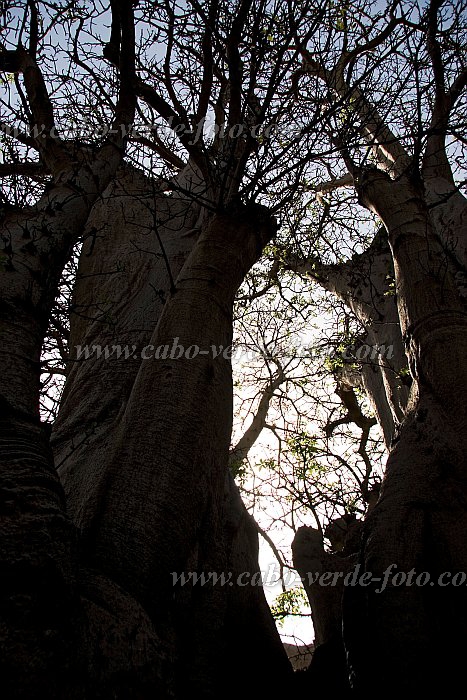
(126,103)
(36,171)
(154,100)
(392,156)
(435,160)
(20,136)
(235,63)
(208,63)
(331,185)
(156,145)
(33,29)
(360,281)
(354,413)
(248,439)
(348,57)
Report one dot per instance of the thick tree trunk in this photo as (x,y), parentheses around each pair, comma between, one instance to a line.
(363,283)
(411,637)
(407,637)
(146,482)
(89,606)
(42,616)
(328,669)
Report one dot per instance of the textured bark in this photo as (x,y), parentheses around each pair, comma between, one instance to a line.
(42,616)
(147,488)
(328,667)
(88,605)
(392,638)
(311,559)
(133,266)
(420,518)
(363,284)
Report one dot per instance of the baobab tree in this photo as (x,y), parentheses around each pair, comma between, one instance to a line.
(400,150)
(177,248)
(138,488)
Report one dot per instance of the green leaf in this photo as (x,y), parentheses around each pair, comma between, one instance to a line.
(293,602)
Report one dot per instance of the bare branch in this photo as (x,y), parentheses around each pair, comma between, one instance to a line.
(235,62)
(126,104)
(53,152)
(392,156)
(321,189)
(156,145)
(36,171)
(248,439)
(354,413)
(33,29)
(168,80)
(435,161)
(18,135)
(348,57)
(275,550)
(458,86)
(154,100)
(206,82)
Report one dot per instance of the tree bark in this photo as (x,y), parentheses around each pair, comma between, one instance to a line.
(411,636)
(363,283)
(42,621)
(408,637)
(146,484)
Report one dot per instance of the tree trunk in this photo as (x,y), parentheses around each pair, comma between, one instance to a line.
(42,622)
(407,637)
(363,283)
(328,669)
(89,605)
(147,478)
(411,637)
